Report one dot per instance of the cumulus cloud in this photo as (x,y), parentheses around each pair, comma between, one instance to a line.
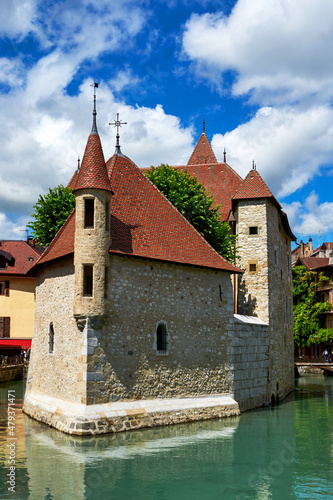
(41,142)
(287,145)
(311,218)
(44,129)
(280,50)
(10,230)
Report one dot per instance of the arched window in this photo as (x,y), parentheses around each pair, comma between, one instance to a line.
(51,338)
(161,336)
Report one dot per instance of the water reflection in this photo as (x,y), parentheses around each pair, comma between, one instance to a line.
(268,453)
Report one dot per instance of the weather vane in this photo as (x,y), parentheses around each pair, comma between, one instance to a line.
(118,123)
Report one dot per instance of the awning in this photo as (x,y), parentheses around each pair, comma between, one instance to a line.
(15,343)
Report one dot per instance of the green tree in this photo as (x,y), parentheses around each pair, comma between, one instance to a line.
(307,307)
(196,205)
(51,211)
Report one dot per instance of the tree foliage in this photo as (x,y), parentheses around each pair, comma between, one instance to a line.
(196,205)
(51,211)
(307,307)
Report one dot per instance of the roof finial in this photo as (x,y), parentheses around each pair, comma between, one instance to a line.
(224,156)
(94,126)
(253,166)
(118,123)
(203,126)
(78,163)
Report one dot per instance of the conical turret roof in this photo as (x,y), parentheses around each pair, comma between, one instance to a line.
(93,173)
(254,187)
(202,153)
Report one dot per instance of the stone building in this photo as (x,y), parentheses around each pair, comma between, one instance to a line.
(135,322)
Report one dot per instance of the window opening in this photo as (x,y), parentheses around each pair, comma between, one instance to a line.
(51,338)
(253,229)
(253,268)
(89,206)
(161,336)
(88,281)
(4,327)
(4,288)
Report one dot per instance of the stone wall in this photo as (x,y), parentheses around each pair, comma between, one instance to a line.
(248,354)
(118,360)
(267,291)
(253,284)
(61,373)
(195,304)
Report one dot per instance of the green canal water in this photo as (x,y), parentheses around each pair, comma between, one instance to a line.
(283,452)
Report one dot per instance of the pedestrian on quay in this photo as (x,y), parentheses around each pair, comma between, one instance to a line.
(325,353)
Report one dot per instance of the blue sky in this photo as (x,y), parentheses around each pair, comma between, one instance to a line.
(260,72)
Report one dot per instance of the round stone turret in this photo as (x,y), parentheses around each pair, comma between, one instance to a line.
(92,232)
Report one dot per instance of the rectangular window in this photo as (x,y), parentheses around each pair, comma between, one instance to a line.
(89,208)
(276,257)
(4,327)
(4,288)
(253,268)
(88,281)
(253,229)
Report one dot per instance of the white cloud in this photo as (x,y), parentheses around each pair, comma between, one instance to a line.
(279,49)
(312,218)
(17,17)
(42,138)
(12,230)
(288,145)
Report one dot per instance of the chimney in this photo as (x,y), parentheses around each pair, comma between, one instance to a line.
(310,246)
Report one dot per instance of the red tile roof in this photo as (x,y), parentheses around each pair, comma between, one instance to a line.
(73,180)
(63,242)
(253,187)
(202,153)
(312,262)
(23,257)
(143,224)
(220,180)
(92,174)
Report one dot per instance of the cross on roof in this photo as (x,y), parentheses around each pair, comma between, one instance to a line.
(118,123)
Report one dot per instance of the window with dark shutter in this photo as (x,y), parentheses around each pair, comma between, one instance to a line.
(4,327)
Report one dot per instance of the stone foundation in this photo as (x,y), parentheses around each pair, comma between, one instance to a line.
(122,416)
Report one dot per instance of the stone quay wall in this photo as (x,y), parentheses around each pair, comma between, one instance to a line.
(248,354)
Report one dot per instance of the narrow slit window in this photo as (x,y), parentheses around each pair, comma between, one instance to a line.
(88,281)
(161,336)
(51,338)
(89,209)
